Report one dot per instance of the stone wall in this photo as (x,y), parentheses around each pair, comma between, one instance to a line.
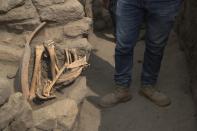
(68,26)
(101,17)
(186,29)
(17,114)
(66,23)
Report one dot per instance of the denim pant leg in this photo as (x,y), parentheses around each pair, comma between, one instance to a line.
(160,17)
(129,18)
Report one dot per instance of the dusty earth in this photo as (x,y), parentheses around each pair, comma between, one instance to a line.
(138,114)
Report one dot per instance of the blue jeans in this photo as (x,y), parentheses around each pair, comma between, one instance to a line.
(159,17)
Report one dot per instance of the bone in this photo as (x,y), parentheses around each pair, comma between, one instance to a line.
(24,65)
(78,63)
(73,73)
(47,89)
(70,76)
(67,56)
(57,63)
(70,56)
(49,45)
(39,49)
(74,53)
(39,92)
(75,67)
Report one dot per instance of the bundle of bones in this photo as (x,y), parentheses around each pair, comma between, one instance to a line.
(59,74)
(52,67)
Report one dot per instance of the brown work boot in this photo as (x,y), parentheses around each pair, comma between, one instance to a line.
(154,95)
(118,96)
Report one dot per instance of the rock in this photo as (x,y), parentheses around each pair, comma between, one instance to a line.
(10,54)
(77,28)
(88,5)
(19,27)
(79,92)
(32,129)
(43,3)
(68,11)
(81,43)
(6,129)
(7,5)
(5,91)
(12,39)
(22,18)
(17,113)
(54,33)
(60,115)
(25,12)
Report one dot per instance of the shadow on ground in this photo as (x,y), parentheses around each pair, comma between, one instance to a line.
(138,114)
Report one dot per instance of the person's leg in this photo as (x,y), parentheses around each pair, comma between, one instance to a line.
(129,16)
(160,18)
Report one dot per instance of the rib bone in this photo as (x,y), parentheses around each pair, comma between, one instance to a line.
(39,49)
(78,63)
(70,76)
(49,45)
(75,67)
(47,89)
(23,82)
(73,73)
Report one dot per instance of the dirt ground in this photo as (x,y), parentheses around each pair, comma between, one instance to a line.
(138,114)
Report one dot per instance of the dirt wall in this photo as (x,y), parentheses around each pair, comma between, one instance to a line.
(186,29)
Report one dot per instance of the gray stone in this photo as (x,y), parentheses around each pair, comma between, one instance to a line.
(5,91)
(79,92)
(77,28)
(81,43)
(17,113)
(20,18)
(43,3)
(54,33)
(7,5)
(12,39)
(32,129)
(10,54)
(59,115)
(25,12)
(19,27)
(88,5)
(70,10)
(6,129)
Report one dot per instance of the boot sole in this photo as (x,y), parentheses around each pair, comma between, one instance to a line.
(141,93)
(111,105)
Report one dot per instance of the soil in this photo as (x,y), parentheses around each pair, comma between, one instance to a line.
(138,114)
